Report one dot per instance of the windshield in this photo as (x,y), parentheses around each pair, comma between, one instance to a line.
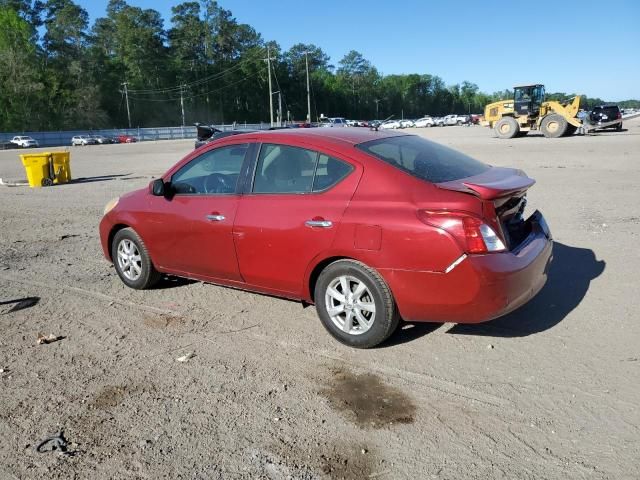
(424,159)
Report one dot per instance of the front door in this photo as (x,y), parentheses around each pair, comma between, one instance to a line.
(292,214)
(193,226)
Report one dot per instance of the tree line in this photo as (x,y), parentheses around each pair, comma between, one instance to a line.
(59,72)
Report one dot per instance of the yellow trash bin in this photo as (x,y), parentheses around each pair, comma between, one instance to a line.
(46,168)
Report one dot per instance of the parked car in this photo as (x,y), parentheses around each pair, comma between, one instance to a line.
(209,133)
(390,125)
(424,122)
(342,220)
(606,114)
(333,122)
(7,145)
(82,140)
(126,139)
(438,122)
(407,124)
(455,120)
(475,118)
(101,139)
(24,141)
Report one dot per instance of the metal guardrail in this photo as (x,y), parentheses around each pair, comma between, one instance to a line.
(63,138)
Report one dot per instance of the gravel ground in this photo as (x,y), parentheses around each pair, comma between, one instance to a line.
(549,391)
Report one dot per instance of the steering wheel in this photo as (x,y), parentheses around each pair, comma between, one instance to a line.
(216,183)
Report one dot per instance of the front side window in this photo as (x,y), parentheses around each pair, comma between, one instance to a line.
(424,159)
(213,172)
(285,169)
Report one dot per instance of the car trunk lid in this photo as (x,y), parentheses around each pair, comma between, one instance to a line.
(502,192)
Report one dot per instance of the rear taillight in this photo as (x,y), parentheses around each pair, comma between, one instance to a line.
(473,235)
(619,116)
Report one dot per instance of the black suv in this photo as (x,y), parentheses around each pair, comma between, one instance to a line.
(605,114)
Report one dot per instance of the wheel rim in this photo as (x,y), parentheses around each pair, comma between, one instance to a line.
(553,126)
(129,259)
(350,305)
(504,128)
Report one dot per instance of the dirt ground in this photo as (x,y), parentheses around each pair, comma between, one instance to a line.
(550,391)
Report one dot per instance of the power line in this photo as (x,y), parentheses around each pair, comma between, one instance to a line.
(199,81)
(174,99)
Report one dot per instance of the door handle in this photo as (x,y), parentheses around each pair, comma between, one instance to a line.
(319,223)
(215,218)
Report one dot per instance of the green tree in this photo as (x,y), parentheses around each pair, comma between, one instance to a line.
(20,85)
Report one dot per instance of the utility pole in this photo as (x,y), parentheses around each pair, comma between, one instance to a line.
(306,59)
(270,94)
(126,95)
(279,109)
(182,102)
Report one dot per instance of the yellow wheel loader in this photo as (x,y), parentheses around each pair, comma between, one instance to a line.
(529,111)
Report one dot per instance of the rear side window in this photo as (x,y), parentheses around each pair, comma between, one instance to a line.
(329,172)
(285,169)
(424,159)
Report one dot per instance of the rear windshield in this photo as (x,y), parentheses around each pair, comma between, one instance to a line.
(424,159)
(607,108)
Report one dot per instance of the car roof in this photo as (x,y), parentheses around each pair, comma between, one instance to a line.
(343,136)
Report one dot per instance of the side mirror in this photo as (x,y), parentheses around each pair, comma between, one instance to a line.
(158,187)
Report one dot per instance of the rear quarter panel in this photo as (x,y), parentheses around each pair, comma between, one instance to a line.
(388,199)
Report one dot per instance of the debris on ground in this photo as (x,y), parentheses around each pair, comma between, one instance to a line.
(69,235)
(16,183)
(45,339)
(186,358)
(55,443)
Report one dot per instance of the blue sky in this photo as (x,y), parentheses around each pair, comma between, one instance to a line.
(586,46)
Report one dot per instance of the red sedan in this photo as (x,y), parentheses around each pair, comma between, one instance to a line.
(126,139)
(371,227)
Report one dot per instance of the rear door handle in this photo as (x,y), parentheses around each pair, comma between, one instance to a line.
(215,218)
(319,223)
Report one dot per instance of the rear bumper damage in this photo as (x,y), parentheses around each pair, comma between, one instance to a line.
(479,287)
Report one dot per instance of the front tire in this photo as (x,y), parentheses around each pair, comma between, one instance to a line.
(553,126)
(507,127)
(355,304)
(132,261)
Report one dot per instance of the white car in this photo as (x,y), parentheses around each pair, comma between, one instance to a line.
(82,140)
(407,124)
(456,120)
(391,124)
(333,122)
(424,122)
(24,141)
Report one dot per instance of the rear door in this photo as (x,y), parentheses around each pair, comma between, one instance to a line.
(290,214)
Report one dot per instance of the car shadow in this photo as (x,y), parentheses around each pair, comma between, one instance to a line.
(408,332)
(570,276)
(101,178)
(20,304)
(168,281)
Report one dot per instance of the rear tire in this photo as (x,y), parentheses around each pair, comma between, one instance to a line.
(355,304)
(507,127)
(553,126)
(132,261)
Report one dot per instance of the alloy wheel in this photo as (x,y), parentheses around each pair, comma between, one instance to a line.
(129,259)
(350,305)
